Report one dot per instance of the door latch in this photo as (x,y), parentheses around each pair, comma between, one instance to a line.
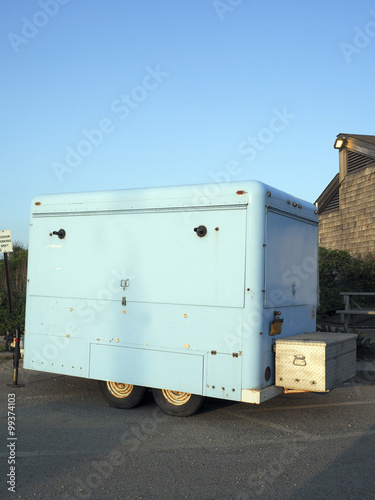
(124,284)
(60,233)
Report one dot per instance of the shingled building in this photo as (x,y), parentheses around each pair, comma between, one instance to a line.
(347,206)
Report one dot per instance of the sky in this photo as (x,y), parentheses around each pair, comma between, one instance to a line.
(117,94)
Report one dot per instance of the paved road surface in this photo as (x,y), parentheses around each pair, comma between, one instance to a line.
(71,445)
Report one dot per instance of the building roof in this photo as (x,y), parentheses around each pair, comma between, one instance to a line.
(360,154)
(329,198)
(365,138)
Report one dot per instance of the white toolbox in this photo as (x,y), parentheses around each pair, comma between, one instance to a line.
(315,361)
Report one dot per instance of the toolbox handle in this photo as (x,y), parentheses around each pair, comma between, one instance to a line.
(299,361)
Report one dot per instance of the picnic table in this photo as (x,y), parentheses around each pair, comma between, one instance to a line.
(352,308)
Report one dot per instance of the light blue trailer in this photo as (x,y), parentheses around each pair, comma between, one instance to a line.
(178,289)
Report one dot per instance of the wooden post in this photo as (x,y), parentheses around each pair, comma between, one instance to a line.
(10,299)
(346,317)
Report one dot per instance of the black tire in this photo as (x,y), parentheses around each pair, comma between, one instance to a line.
(121,395)
(177,404)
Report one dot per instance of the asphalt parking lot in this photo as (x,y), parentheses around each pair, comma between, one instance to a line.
(70,444)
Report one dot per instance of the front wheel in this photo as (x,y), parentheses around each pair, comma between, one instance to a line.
(121,395)
(177,404)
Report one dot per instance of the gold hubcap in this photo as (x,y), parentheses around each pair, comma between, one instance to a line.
(176,398)
(120,390)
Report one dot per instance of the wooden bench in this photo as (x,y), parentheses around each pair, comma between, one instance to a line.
(352,308)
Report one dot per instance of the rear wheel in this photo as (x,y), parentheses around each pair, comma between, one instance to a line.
(176,403)
(122,395)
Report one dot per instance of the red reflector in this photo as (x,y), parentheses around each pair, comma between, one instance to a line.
(294,204)
(241,192)
(37,203)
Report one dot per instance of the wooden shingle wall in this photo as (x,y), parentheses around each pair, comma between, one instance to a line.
(352,227)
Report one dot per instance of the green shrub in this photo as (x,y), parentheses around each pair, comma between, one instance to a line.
(18,277)
(365,346)
(10,322)
(340,272)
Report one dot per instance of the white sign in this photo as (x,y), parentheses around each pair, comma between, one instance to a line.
(6,245)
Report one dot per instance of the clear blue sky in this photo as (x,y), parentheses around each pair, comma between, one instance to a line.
(116,94)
